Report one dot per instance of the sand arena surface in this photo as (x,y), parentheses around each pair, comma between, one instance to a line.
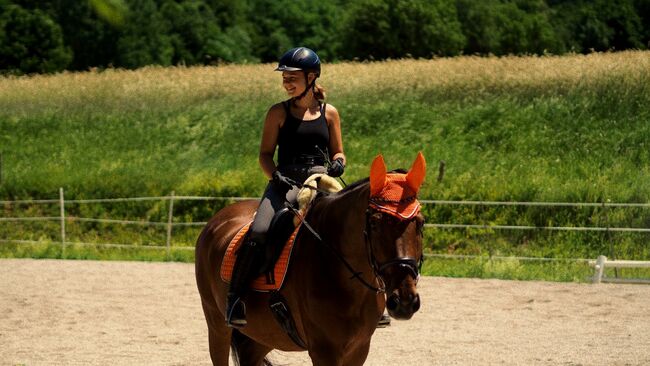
(133,313)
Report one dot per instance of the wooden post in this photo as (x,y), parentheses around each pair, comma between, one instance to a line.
(62,205)
(441,171)
(170,219)
(598,268)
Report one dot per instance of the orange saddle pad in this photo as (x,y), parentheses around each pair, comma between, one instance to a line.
(261,283)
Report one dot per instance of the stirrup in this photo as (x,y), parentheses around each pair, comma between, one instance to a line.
(236,314)
(384,321)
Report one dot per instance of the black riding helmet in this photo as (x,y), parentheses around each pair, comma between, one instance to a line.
(301,59)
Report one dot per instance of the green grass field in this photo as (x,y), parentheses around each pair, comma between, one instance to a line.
(569,129)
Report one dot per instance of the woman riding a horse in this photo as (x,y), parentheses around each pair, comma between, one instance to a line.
(307,133)
(357,253)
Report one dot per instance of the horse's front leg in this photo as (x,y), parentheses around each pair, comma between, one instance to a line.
(352,355)
(358,355)
(219,336)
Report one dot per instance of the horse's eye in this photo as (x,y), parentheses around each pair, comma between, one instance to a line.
(375,219)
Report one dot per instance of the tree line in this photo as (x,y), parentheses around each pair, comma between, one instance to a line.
(41,36)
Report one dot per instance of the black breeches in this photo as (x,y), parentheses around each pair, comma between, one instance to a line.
(274,199)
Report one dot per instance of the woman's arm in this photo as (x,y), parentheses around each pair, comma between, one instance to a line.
(272,123)
(336,141)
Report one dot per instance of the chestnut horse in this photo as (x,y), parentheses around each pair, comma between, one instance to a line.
(373,227)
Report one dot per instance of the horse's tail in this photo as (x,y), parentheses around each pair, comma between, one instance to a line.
(238,342)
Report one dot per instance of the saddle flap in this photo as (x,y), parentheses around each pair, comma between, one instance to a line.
(261,282)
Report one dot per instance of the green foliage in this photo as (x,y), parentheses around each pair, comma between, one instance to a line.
(599,25)
(192,26)
(284,24)
(392,29)
(507,27)
(232,45)
(111,11)
(137,33)
(643,10)
(511,269)
(504,137)
(92,252)
(93,42)
(31,42)
(144,39)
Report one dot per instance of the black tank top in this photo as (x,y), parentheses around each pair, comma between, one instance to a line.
(303,142)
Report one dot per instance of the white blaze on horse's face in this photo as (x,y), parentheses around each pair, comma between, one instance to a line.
(395,233)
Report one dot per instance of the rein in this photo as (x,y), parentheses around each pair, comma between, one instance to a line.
(355,274)
(409,263)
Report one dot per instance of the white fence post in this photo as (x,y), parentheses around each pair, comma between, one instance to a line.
(62,204)
(170,218)
(599,268)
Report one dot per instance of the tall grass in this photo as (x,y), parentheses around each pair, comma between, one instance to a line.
(572,128)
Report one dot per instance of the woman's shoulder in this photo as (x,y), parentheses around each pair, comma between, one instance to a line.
(331,112)
(278,110)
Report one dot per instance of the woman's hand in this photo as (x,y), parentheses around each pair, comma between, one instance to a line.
(336,168)
(281,181)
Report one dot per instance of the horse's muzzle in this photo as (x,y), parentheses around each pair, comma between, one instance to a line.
(403,308)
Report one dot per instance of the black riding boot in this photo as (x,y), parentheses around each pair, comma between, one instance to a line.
(241,276)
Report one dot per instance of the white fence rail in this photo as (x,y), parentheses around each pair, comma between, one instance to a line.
(170,224)
(602,262)
(63,218)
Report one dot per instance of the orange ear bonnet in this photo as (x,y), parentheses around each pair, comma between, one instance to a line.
(396,193)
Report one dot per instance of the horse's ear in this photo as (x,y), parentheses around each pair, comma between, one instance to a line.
(377,175)
(415,176)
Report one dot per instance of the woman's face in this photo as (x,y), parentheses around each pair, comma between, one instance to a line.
(294,82)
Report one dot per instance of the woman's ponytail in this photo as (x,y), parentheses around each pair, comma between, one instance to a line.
(319,92)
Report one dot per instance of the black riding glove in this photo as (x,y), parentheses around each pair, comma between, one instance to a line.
(336,168)
(281,180)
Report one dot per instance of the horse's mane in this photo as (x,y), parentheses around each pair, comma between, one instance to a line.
(363,181)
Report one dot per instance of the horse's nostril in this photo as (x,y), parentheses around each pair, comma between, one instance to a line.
(392,303)
(416,303)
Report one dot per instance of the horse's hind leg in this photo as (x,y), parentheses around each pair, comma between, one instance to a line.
(219,336)
(247,351)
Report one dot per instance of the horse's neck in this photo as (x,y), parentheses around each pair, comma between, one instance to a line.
(341,222)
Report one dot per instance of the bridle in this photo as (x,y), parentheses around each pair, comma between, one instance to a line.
(411,264)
